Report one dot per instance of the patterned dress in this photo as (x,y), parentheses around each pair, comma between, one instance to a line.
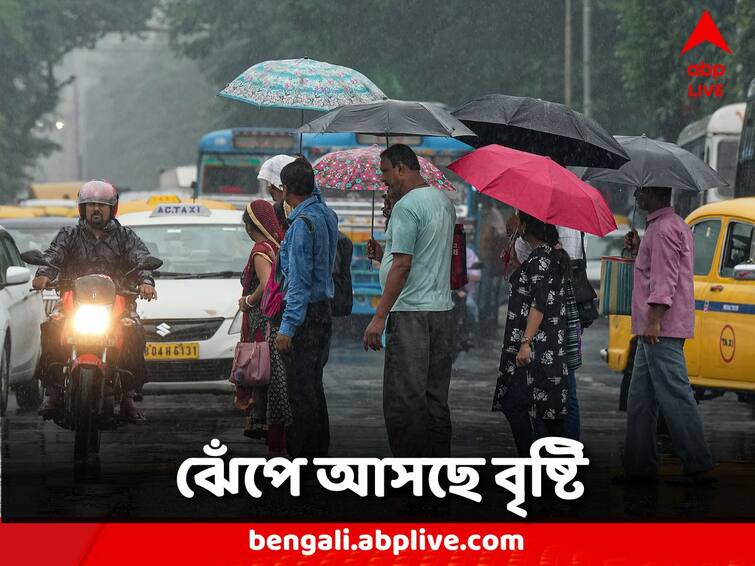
(271,405)
(537,283)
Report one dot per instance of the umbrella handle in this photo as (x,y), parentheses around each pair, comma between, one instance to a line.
(301,124)
(634,216)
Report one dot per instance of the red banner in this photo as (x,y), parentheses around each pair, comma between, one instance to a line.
(399,543)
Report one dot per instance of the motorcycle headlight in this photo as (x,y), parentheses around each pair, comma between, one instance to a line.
(91,319)
(236,324)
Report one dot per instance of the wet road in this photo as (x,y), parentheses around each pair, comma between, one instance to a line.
(135,477)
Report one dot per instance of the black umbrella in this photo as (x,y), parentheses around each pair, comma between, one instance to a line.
(390,118)
(541,127)
(657,164)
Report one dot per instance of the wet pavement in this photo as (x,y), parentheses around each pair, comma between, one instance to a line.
(135,476)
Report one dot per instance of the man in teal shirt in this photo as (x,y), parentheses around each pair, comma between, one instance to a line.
(415,275)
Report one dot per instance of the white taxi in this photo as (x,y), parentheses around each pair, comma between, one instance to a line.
(193,326)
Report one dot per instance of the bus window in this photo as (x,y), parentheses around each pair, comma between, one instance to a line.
(697,148)
(726,165)
(230,175)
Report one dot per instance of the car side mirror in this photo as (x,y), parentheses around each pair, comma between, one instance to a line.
(16,275)
(34,257)
(745,272)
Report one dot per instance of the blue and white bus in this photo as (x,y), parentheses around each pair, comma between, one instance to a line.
(229,161)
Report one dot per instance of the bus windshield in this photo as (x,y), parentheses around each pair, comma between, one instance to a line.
(231,175)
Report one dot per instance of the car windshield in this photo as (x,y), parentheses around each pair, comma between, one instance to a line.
(33,238)
(197,250)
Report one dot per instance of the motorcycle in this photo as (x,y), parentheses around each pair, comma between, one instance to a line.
(94,313)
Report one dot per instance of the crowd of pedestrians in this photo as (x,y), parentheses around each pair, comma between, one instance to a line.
(294,251)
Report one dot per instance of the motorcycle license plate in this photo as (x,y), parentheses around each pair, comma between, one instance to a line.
(171,351)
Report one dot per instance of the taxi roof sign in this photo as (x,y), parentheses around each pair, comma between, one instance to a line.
(163,199)
(184,209)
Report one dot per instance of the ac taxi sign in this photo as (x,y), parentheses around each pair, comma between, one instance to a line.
(180,210)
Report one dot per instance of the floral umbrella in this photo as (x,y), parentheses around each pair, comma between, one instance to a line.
(302,84)
(359,170)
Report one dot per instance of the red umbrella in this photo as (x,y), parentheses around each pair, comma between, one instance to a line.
(538,186)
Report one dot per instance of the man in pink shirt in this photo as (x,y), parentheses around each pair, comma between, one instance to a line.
(663,317)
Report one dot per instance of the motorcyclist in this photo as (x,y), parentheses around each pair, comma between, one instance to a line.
(98,244)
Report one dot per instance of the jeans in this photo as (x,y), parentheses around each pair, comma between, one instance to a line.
(659,380)
(309,434)
(416,378)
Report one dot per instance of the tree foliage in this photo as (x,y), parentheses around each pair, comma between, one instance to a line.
(35,35)
(651,37)
(454,50)
(441,51)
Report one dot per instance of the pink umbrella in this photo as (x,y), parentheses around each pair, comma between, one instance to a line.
(538,186)
(359,170)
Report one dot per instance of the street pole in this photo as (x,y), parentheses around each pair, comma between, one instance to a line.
(77,126)
(567,53)
(586,31)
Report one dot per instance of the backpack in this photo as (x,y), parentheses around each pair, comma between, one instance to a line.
(343,297)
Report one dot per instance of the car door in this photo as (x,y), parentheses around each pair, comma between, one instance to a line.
(11,296)
(728,329)
(706,233)
(25,307)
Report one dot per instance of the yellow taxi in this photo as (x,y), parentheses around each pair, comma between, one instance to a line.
(721,356)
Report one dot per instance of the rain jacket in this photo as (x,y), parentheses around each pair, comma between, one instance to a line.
(77,251)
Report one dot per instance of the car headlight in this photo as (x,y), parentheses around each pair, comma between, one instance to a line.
(91,319)
(236,324)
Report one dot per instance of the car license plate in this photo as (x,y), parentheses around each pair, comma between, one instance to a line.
(171,351)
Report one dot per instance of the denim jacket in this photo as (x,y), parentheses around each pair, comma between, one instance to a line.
(307,260)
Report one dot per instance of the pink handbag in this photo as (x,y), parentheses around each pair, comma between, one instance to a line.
(251,363)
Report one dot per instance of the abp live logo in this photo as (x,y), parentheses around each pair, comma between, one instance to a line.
(706,30)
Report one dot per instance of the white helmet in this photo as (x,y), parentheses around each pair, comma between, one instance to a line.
(99,191)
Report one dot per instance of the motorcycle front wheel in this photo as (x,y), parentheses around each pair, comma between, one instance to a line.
(87,433)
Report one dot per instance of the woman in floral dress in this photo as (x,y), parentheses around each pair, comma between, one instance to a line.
(268,405)
(532,383)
